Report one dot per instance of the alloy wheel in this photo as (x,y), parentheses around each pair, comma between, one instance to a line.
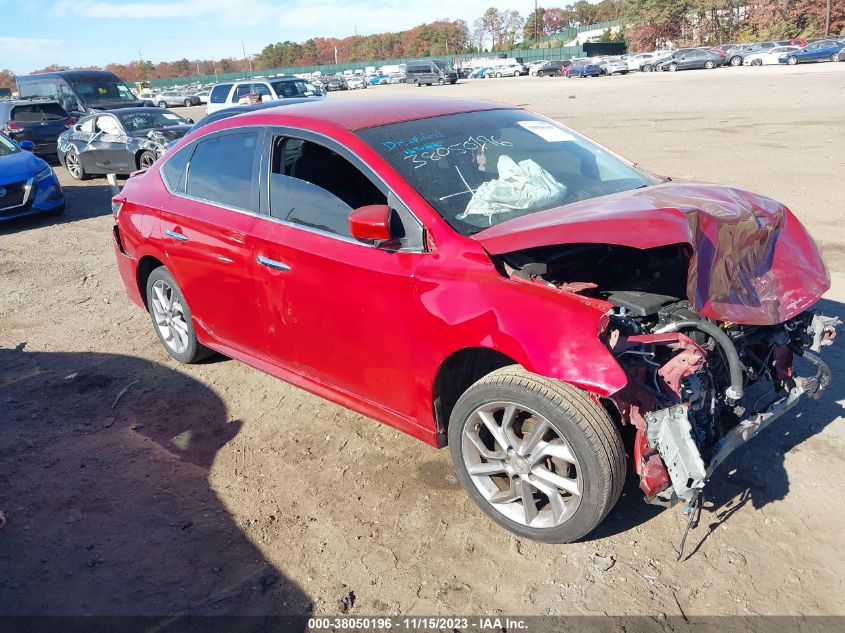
(169,317)
(73,165)
(523,467)
(147,160)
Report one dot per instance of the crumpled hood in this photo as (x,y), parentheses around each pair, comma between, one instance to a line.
(752,261)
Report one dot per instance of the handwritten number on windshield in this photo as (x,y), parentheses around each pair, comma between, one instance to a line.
(473,143)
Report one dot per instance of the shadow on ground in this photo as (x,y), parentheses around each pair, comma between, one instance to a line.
(109,510)
(755,473)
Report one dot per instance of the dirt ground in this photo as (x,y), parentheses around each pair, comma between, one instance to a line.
(133,485)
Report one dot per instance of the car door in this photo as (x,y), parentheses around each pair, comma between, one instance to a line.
(106,151)
(337,310)
(205,226)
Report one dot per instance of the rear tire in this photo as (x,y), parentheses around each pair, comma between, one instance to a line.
(736,60)
(673,68)
(172,319)
(440,82)
(834,57)
(555,466)
(709,65)
(146,159)
(756,62)
(161,104)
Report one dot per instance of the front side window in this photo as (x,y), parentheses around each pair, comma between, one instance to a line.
(87,125)
(221,170)
(297,88)
(313,186)
(479,169)
(173,169)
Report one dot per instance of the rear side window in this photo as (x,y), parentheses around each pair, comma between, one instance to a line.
(221,170)
(219,93)
(173,170)
(35,112)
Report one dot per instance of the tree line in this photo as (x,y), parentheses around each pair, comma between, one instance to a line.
(649,24)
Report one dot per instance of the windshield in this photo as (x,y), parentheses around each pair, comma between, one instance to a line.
(298,88)
(479,169)
(135,121)
(6,146)
(103,90)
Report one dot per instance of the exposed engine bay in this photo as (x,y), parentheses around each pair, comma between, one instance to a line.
(697,388)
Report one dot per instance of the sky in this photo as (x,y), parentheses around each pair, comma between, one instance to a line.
(36,33)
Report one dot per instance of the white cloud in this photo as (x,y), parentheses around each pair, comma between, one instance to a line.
(29,52)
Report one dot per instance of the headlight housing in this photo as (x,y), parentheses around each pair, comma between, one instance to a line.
(43,175)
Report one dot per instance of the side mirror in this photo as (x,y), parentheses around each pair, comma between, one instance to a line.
(191,121)
(27,146)
(371,222)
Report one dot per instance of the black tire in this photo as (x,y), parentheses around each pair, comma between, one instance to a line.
(673,67)
(195,350)
(792,60)
(539,73)
(417,83)
(162,104)
(834,57)
(709,65)
(647,68)
(756,62)
(736,60)
(440,82)
(498,75)
(146,159)
(573,415)
(188,103)
(75,169)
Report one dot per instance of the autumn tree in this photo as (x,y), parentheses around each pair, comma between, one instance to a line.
(7,79)
(534,27)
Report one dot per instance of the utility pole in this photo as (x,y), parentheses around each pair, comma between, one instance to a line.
(536,25)
(248,60)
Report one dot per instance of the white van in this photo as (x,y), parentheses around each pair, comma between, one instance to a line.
(231,93)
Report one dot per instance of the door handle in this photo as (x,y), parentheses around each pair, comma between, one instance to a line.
(176,236)
(272,263)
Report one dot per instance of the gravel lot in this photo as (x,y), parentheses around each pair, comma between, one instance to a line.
(215,489)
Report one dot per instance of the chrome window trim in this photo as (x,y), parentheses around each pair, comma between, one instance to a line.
(265,173)
(370,173)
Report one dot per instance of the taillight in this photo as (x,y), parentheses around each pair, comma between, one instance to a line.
(70,122)
(116,205)
(13,126)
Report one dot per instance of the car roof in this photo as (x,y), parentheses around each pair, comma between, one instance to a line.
(77,75)
(366,113)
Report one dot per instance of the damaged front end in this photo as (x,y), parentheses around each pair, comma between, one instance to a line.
(698,387)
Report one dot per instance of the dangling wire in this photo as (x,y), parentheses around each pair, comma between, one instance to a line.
(694,510)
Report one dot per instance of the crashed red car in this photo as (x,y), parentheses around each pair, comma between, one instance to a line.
(485,278)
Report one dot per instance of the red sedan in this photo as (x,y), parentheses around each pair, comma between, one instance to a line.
(484,278)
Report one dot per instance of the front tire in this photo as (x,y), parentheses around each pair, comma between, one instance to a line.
(673,68)
(736,61)
(792,60)
(146,159)
(756,62)
(188,103)
(161,104)
(538,456)
(171,318)
(709,65)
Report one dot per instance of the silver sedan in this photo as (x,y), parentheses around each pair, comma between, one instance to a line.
(612,65)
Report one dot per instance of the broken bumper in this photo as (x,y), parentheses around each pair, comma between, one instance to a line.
(669,431)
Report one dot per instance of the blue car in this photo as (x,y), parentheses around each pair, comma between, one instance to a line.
(583,69)
(28,185)
(821,51)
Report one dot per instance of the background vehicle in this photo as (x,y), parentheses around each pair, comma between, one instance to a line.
(507,70)
(765,58)
(80,92)
(171,98)
(478,73)
(5,93)
(536,442)
(821,51)
(552,69)
(28,185)
(228,94)
(612,65)
(202,95)
(634,62)
(690,60)
(120,141)
(378,80)
(356,83)
(429,72)
(534,65)
(736,55)
(651,65)
(39,121)
(397,78)
(582,69)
